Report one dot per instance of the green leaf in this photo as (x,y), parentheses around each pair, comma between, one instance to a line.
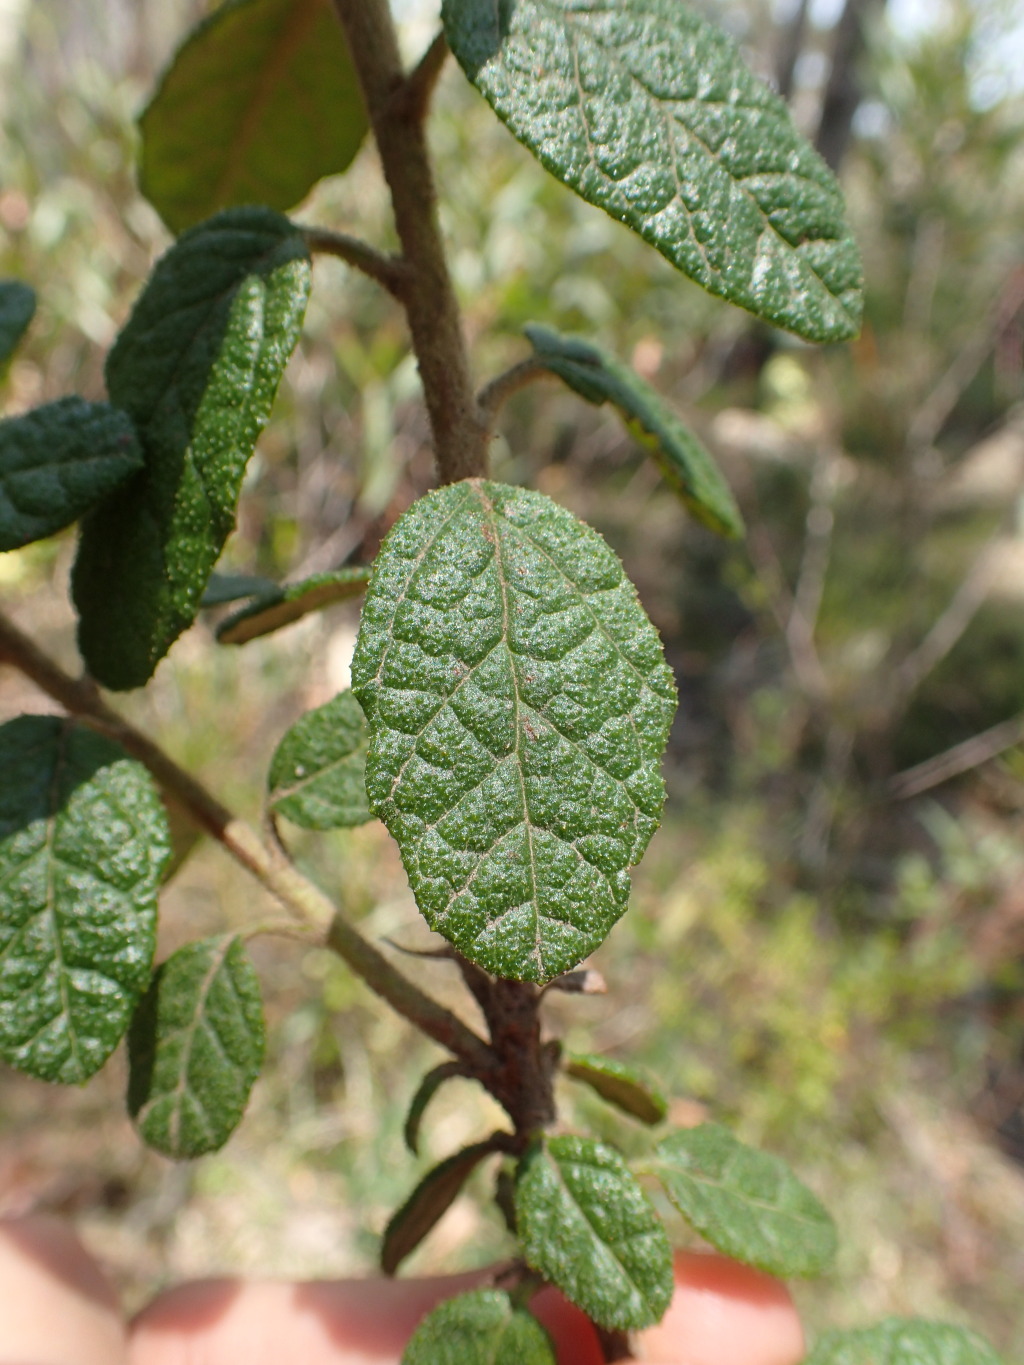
(17,309)
(83,843)
(196,367)
(619,1085)
(686,465)
(318,773)
(276,607)
(519,704)
(744,1202)
(260,102)
(222,588)
(482,1327)
(647,111)
(59,461)
(195,1047)
(587,1226)
(429,1202)
(904,1341)
(428,1088)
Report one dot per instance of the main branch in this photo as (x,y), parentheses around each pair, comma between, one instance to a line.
(460,435)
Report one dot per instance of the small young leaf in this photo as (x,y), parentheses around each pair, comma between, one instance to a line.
(587,1226)
(686,465)
(59,461)
(428,1088)
(519,704)
(276,607)
(260,102)
(17,309)
(744,1202)
(619,1085)
(195,1048)
(222,588)
(482,1327)
(196,367)
(318,774)
(429,1202)
(83,843)
(903,1341)
(647,111)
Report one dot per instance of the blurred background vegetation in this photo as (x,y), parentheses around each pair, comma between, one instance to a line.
(826,947)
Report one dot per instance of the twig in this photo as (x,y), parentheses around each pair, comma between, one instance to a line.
(960,759)
(413,98)
(390,271)
(948,629)
(80,697)
(499,390)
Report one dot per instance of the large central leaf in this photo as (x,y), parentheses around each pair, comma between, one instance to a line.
(519,704)
(647,111)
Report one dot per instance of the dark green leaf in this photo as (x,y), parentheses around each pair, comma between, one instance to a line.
(587,1226)
(429,1202)
(482,1327)
(647,111)
(428,1088)
(195,1048)
(196,367)
(904,1341)
(687,466)
(277,607)
(17,309)
(519,704)
(83,843)
(318,774)
(619,1085)
(746,1203)
(59,461)
(222,588)
(259,104)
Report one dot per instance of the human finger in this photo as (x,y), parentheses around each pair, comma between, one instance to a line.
(339,1322)
(724,1313)
(56,1307)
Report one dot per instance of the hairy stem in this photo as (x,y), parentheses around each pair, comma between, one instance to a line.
(460,434)
(265,860)
(386,270)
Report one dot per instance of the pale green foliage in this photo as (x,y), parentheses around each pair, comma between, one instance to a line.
(903,1341)
(195,1048)
(746,1203)
(260,103)
(196,367)
(587,1226)
(57,462)
(83,843)
(519,704)
(482,1327)
(317,774)
(649,112)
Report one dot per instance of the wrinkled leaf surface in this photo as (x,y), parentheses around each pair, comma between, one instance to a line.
(482,1327)
(519,704)
(318,773)
(83,844)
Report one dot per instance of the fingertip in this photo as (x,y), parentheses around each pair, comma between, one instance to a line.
(56,1305)
(724,1313)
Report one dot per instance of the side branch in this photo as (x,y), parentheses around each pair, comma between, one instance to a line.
(269,864)
(495,394)
(390,271)
(414,96)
